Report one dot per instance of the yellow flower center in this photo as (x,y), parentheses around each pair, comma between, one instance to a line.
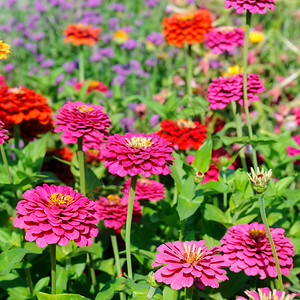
(145,181)
(186,17)
(256,37)
(139,142)
(84,108)
(121,36)
(15,90)
(190,255)
(233,70)
(60,200)
(257,234)
(113,199)
(183,123)
(93,83)
(225,28)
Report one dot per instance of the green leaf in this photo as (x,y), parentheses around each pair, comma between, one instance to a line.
(177,170)
(42,283)
(213,213)
(169,293)
(282,184)
(111,288)
(10,258)
(215,186)
(246,219)
(203,157)
(44,296)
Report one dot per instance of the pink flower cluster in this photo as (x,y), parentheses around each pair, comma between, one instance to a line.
(145,189)
(186,263)
(137,153)
(266,294)
(55,215)
(222,39)
(113,210)
(3,133)
(247,247)
(254,6)
(294,151)
(78,119)
(221,91)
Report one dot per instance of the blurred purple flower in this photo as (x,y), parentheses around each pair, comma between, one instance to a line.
(59,79)
(38,36)
(151,3)
(127,123)
(47,63)
(71,81)
(8,67)
(20,27)
(40,6)
(17,41)
(31,47)
(139,22)
(154,120)
(150,62)
(92,3)
(106,38)
(113,23)
(119,79)
(117,7)
(69,66)
(128,29)
(5,28)
(214,63)
(142,73)
(130,44)
(33,71)
(39,57)
(156,38)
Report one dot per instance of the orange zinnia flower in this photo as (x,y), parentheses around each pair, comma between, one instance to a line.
(4,49)
(189,27)
(81,34)
(25,107)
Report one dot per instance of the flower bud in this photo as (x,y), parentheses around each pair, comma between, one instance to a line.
(260,180)
(198,177)
(224,161)
(151,280)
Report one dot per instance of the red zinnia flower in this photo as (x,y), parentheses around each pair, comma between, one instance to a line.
(55,215)
(247,247)
(186,263)
(3,133)
(145,189)
(93,86)
(137,153)
(25,107)
(189,27)
(254,6)
(113,210)
(81,34)
(183,134)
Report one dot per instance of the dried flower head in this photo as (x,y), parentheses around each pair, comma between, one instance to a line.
(260,179)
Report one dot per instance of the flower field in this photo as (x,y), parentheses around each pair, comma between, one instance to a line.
(150,149)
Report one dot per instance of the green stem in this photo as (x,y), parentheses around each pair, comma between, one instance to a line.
(81,64)
(90,262)
(17,136)
(264,218)
(128,225)
(189,75)
(52,248)
(238,124)
(81,166)
(189,293)
(225,194)
(8,171)
(182,227)
(245,53)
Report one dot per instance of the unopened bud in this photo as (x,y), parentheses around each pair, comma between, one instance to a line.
(151,280)
(224,161)
(198,177)
(260,180)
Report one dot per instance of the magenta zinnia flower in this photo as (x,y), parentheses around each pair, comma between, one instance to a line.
(254,6)
(78,119)
(145,189)
(186,263)
(113,210)
(294,151)
(222,39)
(3,133)
(55,215)
(247,247)
(223,90)
(267,294)
(137,153)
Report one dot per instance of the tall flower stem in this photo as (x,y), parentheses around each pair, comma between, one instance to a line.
(17,136)
(82,190)
(225,194)
(189,293)
(265,222)
(189,74)
(245,53)
(81,64)
(52,248)
(128,225)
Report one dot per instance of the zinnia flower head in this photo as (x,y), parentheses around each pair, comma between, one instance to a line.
(256,37)
(81,34)
(221,91)
(55,215)
(294,151)
(267,294)
(254,6)
(120,36)
(145,189)
(247,248)
(78,119)
(189,27)
(3,133)
(113,210)
(4,49)
(186,263)
(137,153)
(183,134)
(260,179)
(23,106)
(224,39)
(94,85)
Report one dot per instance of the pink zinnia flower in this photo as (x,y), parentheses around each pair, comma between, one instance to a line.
(3,133)
(113,210)
(267,294)
(222,39)
(93,86)
(296,112)
(145,189)
(247,247)
(254,6)
(186,263)
(55,215)
(294,151)
(137,153)
(78,119)
(221,91)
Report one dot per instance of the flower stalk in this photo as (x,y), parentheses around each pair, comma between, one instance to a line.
(189,74)
(81,64)
(52,248)
(128,225)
